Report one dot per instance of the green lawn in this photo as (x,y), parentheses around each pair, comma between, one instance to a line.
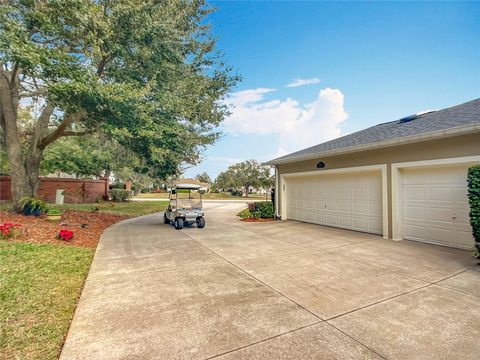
(132,208)
(39,288)
(40,285)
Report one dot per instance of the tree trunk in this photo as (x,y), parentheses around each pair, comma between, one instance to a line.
(20,185)
(32,168)
(24,170)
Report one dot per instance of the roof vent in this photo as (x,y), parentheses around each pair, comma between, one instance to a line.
(414,116)
(407,118)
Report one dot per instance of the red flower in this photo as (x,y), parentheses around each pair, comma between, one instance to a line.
(8,229)
(65,234)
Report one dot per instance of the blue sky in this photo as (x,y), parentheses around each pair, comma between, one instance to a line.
(360,63)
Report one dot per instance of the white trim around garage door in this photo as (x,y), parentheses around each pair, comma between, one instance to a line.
(397,191)
(382,168)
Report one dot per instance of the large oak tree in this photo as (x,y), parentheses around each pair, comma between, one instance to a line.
(144,72)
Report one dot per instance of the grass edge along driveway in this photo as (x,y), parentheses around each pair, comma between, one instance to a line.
(40,285)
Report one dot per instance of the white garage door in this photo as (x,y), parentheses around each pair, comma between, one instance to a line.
(351,201)
(435,206)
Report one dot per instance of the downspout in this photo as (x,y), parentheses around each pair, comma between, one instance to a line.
(277,193)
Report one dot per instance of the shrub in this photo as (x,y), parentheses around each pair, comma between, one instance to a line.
(474,201)
(54,212)
(144,191)
(258,210)
(120,195)
(237,193)
(245,214)
(265,208)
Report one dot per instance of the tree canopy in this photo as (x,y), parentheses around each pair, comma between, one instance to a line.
(204,177)
(145,73)
(244,175)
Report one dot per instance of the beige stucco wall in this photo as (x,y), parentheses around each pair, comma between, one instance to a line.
(459,146)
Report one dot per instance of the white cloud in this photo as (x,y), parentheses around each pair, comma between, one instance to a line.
(297,126)
(302,82)
(248,96)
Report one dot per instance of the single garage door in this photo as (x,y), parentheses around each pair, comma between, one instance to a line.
(435,206)
(350,201)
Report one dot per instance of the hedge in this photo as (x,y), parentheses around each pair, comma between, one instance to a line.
(258,210)
(120,195)
(473,180)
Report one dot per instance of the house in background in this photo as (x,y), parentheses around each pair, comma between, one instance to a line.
(205,187)
(404,179)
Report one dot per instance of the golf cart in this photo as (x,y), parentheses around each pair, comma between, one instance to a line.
(185,207)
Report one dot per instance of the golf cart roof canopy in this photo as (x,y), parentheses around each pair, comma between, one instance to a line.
(187,186)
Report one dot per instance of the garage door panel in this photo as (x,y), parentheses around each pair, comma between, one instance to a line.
(346,201)
(360,224)
(345,221)
(462,216)
(460,194)
(332,220)
(309,190)
(374,210)
(332,192)
(300,203)
(300,214)
(374,194)
(345,193)
(415,212)
(320,191)
(332,206)
(320,205)
(373,225)
(442,216)
(310,204)
(360,193)
(414,192)
(465,239)
(344,207)
(436,214)
(321,218)
(439,194)
(415,232)
(441,235)
(360,208)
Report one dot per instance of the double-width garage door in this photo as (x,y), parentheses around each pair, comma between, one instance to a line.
(350,201)
(435,206)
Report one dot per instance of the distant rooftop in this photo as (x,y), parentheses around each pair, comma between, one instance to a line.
(409,126)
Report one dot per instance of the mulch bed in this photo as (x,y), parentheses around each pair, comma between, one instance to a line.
(257,220)
(86,226)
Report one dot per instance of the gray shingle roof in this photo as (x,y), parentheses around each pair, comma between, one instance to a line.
(449,118)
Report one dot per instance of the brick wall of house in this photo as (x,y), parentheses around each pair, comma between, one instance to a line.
(76,190)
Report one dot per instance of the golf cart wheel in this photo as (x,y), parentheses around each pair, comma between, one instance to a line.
(165,219)
(178,223)
(200,222)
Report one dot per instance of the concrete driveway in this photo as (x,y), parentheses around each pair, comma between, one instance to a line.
(278,290)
